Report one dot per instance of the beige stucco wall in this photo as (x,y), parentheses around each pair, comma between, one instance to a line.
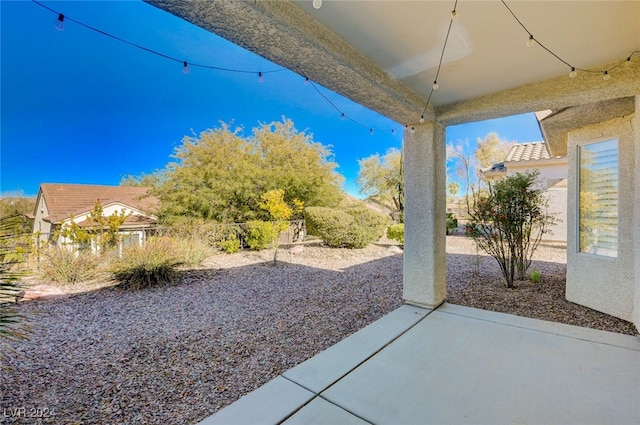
(636,214)
(43,228)
(551,171)
(604,284)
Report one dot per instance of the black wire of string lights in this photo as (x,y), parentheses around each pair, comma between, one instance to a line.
(342,114)
(573,69)
(436,85)
(59,23)
(186,65)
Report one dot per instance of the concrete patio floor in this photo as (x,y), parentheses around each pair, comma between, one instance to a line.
(455,365)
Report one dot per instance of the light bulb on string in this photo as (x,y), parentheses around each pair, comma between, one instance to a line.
(342,116)
(260,78)
(59,23)
(413,129)
(371,131)
(421,119)
(393,131)
(185,68)
(606,76)
(436,86)
(306,81)
(317,4)
(530,41)
(573,73)
(454,14)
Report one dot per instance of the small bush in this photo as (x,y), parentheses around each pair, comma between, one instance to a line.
(352,229)
(536,276)
(368,218)
(67,266)
(452,223)
(192,251)
(396,232)
(151,264)
(260,234)
(230,245)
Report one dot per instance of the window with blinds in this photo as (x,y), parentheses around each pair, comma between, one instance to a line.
(598,203)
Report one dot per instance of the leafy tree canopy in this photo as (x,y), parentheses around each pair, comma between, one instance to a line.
(381,177)
(221,175)
(491,150)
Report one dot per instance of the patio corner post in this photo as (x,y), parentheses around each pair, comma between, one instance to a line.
(424,268)
(636,213)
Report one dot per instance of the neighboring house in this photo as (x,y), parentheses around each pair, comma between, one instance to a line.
(554,171)
(57,205)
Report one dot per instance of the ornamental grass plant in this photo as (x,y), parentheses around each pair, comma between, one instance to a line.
(151,264)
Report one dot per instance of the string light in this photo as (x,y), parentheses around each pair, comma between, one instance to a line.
(59,23)
(574,70)
(530,41)
(342,117)
(435,85)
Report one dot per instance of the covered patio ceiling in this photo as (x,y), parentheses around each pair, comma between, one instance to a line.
(385,54)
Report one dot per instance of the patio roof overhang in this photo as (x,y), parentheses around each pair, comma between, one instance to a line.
(384,55)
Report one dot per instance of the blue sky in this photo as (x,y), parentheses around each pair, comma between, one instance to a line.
(79,107)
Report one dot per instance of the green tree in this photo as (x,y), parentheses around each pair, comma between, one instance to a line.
(491,150)
(14,209)
(507,221)
(382,178)
(144,180)
(220,175)
(453,188)
(280,213)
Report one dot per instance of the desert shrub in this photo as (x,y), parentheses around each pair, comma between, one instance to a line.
(192,251)
(508,220)
(368,218)
(329,224)
(452,223)
(536,276)
(65,265)
(14,324)
(230,245)
(151,264)
(260,234)
(339,228)
(396,232)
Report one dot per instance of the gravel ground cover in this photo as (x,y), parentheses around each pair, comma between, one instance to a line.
(178,353)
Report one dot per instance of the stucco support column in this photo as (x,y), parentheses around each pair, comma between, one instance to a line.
(425,216)
(636,212)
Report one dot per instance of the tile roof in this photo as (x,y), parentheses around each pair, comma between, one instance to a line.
(528,152)
(63,200)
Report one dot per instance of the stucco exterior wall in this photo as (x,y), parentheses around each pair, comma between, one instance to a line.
(602,283)
(43,228)
(550,175)
(636,212)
